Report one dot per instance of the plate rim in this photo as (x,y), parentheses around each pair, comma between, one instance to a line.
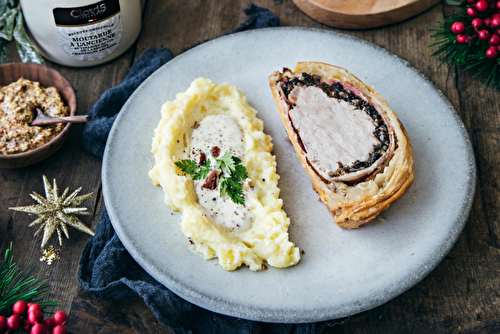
(275,315)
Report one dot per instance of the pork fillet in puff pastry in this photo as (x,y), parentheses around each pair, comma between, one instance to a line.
(355,150)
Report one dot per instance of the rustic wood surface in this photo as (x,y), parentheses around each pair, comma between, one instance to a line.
(361,14)
(461,295)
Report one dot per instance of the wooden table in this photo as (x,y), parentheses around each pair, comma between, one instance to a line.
(461,295)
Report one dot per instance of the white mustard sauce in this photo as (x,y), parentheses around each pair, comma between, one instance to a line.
(224,132)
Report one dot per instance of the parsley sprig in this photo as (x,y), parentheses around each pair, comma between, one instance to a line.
(233,173)
(190,167)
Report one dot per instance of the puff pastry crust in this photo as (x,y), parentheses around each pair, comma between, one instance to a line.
(354,196)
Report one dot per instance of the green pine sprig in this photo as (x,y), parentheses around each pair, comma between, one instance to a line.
(445,46)
(233,173)
(446,49)
(17,284)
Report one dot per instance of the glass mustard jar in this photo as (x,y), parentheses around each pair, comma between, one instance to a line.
(82,33)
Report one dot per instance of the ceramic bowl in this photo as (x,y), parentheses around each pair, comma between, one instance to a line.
(47,77)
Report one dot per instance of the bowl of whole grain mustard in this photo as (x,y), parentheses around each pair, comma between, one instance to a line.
(26,87)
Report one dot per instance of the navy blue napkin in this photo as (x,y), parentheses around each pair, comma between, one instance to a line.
(108,270)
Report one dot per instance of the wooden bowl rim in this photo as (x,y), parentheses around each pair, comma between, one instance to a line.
(72,105)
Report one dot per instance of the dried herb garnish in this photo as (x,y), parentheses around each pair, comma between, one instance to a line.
(233,173)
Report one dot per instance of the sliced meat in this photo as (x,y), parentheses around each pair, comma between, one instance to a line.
(344,138)
(350,131)
(351,144)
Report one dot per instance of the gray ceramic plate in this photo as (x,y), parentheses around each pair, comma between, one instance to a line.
(342,271)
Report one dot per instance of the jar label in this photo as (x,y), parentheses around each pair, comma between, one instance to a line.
(90,32)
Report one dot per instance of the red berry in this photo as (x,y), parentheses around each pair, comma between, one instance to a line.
(482,5)
(60,318)
(49,323)
(35,316)
(495,23)
(38,329)
(458,27)
(26,325)
(494,40)
(3,322)
(20,307)
(477,23)
(32,307)
(487,22)
(461,38)
(492,52)
(471,12)
(497,6)
(14,322)
(59,329)
(484,35)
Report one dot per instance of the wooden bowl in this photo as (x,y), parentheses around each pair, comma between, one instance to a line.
(47,77)
(362,14)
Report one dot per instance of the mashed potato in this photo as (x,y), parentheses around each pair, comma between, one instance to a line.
(208,115)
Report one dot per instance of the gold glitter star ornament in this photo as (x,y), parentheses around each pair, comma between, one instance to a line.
(56,212)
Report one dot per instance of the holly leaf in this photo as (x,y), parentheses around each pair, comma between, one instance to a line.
(25,47)
(8,21)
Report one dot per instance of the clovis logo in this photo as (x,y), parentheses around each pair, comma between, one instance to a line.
(88,13)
